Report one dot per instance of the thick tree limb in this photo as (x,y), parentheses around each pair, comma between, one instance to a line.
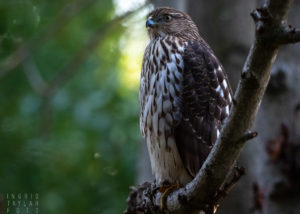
(199,194)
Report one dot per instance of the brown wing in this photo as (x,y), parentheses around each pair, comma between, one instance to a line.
(206,100)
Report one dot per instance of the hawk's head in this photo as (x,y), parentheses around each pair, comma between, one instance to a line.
(168,21)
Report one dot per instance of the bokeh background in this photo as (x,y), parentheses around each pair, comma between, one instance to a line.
(69,108)
(69,129)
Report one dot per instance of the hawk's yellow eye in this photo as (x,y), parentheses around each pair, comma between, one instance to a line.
(167,18)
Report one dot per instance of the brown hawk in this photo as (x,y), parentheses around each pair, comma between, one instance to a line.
(184,96)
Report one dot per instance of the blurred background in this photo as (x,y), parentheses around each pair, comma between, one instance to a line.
(69,127)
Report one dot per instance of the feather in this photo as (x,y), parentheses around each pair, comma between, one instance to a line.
(203,104)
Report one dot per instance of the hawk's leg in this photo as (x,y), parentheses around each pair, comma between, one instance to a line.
(166,188)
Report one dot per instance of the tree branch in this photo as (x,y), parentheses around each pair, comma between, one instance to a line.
(201,191)
(25,49)
(48,89)
(289,35)
(221,194)
(71,68)
(34,77)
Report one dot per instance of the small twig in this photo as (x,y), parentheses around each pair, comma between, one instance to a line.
(289,35)
(221,194)
(247,136)
(34,77)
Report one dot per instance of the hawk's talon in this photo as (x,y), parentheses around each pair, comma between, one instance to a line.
(166,189)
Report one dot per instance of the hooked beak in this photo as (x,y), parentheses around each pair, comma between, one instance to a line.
(150,23)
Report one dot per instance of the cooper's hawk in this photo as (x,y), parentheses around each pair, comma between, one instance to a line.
(184,96)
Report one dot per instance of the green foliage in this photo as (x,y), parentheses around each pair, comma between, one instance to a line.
(78,148)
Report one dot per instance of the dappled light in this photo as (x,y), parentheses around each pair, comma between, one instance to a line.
(132,47)
(69,132)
